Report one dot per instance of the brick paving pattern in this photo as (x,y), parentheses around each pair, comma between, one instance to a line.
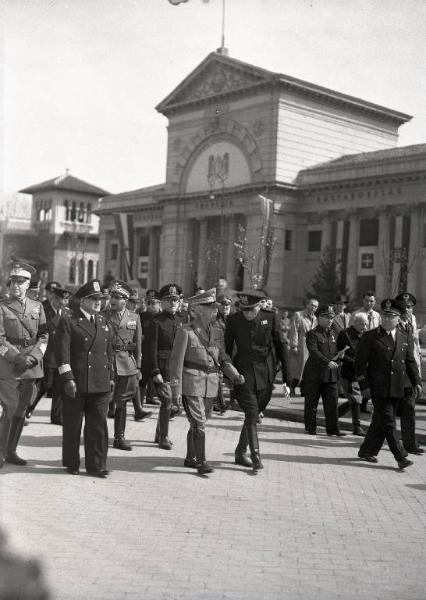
(316,523)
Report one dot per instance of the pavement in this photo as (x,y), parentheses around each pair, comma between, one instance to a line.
(316,523)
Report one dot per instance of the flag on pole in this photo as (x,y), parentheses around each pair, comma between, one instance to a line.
(124,227)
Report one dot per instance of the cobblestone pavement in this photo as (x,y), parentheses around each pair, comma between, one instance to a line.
(316,523)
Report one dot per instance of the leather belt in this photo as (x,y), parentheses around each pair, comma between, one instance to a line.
(126,347)
(189,364)
(25,342)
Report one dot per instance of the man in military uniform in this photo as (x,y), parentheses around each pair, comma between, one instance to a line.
(321,374)
(83,354)
(55,305)
(146,385)
(223,312)
(385,356)
(407,407)
(159,335)
(126,333)
(55,308)
(23,342)
(195,361)
(259,345)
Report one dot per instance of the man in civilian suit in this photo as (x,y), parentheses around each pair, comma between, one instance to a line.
(84,357)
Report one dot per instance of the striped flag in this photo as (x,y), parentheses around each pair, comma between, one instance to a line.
(124,227)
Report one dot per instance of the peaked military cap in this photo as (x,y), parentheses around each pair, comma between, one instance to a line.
(21,269)
(391,306)
(325,310)
(58,290)
(224,300)
(34,284)
(250,299)
(50,285)
(407,297)
(171,290)
(91,289)
(204,298)
(120,288)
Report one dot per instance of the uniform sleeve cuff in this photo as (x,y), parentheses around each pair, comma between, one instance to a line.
(64,369)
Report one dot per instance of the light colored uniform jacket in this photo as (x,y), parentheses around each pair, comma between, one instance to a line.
(126,341)
(193,370)
(22,331)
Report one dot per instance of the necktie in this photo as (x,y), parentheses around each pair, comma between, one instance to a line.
(92,319)
(370,320)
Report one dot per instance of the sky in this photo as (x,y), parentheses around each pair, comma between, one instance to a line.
(81,78)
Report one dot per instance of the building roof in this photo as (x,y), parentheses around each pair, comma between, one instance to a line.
(203,83)
(65,182)
(138,197)
(349,160)
(389,162)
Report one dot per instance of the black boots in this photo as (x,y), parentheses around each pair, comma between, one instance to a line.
(140,413)
(4,434)
(162,433)
(16,426)
(254,447)
(241,457)
(190,460)
(119,429)
(203,466)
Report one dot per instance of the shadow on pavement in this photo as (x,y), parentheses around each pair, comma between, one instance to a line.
(40,442)
(417,486)
(311,442)
(351,462)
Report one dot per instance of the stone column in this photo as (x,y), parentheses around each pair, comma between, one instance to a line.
(382,257)
(415,270)
(153,258)
(202,252)
(102,249)
(352,260)
(230,251)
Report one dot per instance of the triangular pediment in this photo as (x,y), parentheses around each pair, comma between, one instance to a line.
(217,75)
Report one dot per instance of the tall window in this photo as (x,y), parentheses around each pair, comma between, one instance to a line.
(114,251)
(314,241)
(90,269)
(369,232)
(73,215)
(89,213)
(67,210)
(72,271)
(288,239)
(81,213)
(81,271)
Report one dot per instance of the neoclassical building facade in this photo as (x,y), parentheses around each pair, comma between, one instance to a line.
(265,173)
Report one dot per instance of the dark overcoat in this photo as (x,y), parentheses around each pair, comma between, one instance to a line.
(83,352)
(259,344)
(382,364)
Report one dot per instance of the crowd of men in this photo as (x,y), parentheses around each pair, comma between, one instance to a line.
(97,350)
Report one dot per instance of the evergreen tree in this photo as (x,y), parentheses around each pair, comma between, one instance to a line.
(326,283)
